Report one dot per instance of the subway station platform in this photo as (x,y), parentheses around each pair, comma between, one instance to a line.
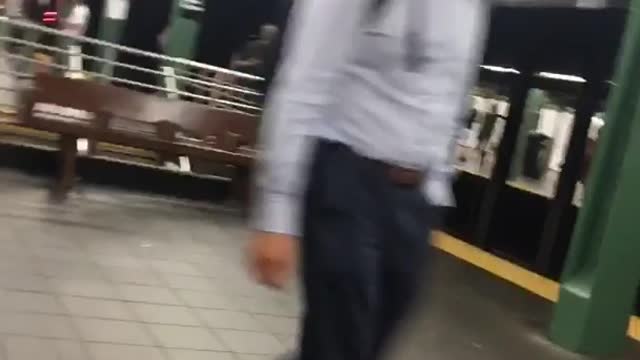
(118,275)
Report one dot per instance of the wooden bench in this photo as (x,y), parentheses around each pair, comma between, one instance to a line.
(77,109)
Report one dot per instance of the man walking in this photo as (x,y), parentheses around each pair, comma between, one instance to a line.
(357,138)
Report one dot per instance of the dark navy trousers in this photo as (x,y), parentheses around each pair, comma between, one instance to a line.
(364,248)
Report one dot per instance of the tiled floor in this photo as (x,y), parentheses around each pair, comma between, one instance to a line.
(111,275)
(116,276)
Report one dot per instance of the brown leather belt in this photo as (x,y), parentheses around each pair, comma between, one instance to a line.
(398,175)
(405,177)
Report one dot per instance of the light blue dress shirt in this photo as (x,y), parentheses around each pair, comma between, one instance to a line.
(391,87)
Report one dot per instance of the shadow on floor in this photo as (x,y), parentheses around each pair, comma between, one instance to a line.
(466,313)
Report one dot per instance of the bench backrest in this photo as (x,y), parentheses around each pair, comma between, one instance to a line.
(230,130)
(134,112)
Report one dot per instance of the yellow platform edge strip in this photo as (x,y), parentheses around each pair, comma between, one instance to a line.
(510,272)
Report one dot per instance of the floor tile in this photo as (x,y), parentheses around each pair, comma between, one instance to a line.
(71,350)
(225,319)
(96,308)
(18,264)
(50,242)
(71,270)
(202,299)
(26,348)
(175,267)
(263,305)
(192,282)
(182,337)
(30,302)
(131,276)
(10,244)
(126,262)
(69,254)
(104,252)
(86,288)
(251,342)
(59,327)
(290,342)
(124,352)
(112,331)
(165,314)
(279,324)
(240,283)
(253,357)
(293,302)
(24,282)
(147,294)
(179,354)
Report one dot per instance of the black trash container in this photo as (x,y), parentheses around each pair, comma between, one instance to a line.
(537,155)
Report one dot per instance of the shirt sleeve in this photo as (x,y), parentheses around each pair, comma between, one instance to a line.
(318,41)
(447,69)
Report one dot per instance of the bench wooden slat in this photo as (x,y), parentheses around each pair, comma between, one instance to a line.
(105,113)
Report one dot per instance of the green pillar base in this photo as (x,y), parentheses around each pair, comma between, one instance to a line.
(573,327)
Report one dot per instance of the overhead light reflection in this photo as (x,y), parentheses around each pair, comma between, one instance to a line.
(563,77)
(544,74)
(500,69)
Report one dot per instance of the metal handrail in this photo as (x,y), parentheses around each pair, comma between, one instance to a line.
(184,75)
(124,65)
(84,39)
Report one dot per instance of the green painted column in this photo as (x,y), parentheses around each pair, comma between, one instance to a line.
(602,272)
(183,32)
(184,28)
(110,30)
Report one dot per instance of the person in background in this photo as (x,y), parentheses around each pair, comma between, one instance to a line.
(280,18)
(229,25)
(355,159)
(250,60)
(42,13)
(146,22)
(253,56)
(75,24)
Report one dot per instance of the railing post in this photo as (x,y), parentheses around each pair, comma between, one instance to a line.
(170,82)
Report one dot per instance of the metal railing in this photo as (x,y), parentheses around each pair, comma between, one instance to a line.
(26,48)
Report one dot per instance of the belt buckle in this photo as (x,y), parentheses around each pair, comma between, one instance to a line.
(405,177)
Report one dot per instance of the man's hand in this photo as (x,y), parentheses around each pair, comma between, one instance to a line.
(272,258)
